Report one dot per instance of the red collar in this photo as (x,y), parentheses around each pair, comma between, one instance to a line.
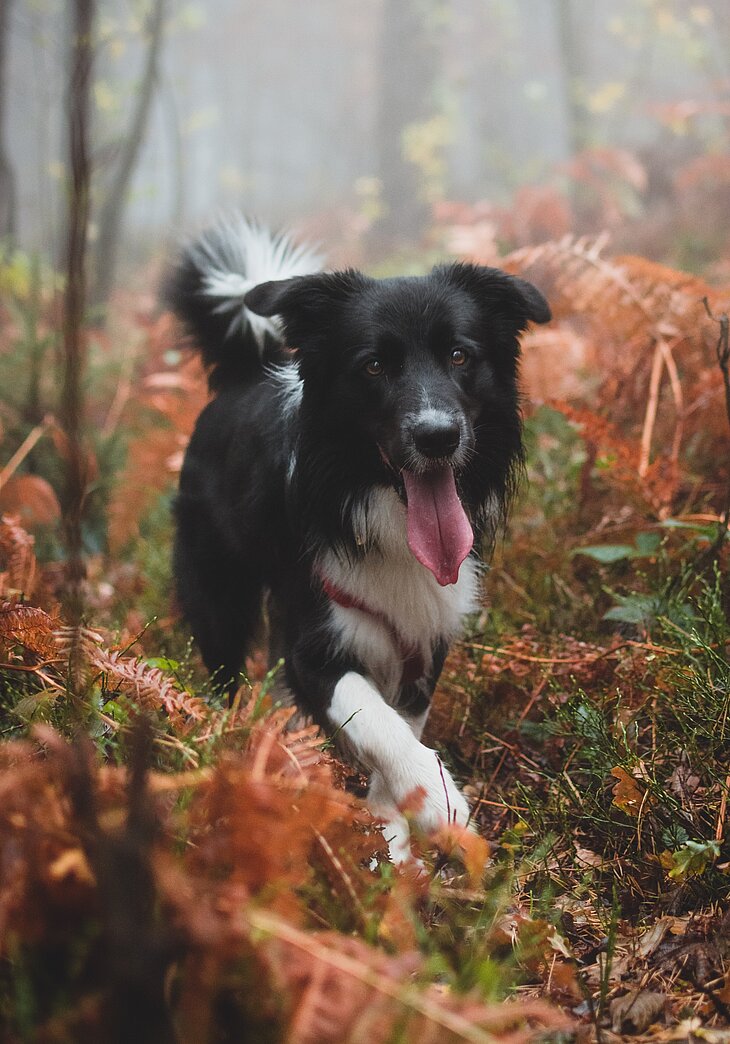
(414,666)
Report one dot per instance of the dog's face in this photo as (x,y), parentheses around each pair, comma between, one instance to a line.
(421,370)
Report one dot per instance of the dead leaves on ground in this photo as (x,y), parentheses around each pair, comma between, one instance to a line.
(17,558)
(241,898)
(629,793)
(221,864)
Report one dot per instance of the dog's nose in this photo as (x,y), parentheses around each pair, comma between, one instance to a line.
(437,437)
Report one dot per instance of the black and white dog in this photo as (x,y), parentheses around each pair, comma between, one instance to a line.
(361,446)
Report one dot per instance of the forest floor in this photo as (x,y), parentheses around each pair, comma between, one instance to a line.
(178,870)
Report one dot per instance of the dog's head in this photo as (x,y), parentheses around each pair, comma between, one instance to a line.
(422,370)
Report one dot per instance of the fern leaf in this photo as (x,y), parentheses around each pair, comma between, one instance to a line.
(29,627)
(17,558)
(148,687)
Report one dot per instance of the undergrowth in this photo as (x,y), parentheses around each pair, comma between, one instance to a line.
(174,869)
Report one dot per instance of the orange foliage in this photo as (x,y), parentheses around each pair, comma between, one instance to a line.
(168,401)
(606,173)
(645,330)
(472,232)
(26,626)
(17,559)
(30,498)
(231,897)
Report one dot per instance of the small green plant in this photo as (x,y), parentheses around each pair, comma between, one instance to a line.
(642,776)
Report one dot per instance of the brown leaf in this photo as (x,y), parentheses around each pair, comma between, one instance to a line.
(564,984)
(652,938)
(31,499)
(32,628)
(627,793)
(683,782)
(636,1011)
(587,857)
(467,846)
(17,559)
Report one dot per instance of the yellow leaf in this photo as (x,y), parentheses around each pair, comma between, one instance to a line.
(105,98)
(71,863)
(605,97)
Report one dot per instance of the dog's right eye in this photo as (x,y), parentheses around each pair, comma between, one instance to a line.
(374,368)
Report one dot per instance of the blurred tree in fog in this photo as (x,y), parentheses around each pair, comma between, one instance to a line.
(408,64)
(357,117)
(111,210)
(7,178)
(572,60)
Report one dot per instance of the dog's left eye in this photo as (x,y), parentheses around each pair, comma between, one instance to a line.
(458,357)
(373,368)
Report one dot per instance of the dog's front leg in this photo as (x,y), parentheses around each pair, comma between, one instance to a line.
(385,742)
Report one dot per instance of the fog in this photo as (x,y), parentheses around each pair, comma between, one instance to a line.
(356,119)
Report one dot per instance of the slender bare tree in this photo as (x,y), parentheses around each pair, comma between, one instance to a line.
(7,176)
(111,214)
(75,295)
(573,64)
(408,66)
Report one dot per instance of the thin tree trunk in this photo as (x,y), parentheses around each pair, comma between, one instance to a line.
(573,67)
(7,175)
(178,198)
(78,105)
(408,63)
(112,211)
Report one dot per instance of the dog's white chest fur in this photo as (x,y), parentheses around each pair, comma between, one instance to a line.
(402,596)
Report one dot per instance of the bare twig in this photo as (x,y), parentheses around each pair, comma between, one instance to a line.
(587,658)
(112,210)
(663,357)
(122,395)
(663,352)
(722,813)
(345,879)
(24,449)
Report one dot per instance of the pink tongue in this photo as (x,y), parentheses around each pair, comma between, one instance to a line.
(439,534)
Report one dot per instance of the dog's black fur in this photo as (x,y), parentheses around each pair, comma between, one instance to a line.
(281,476)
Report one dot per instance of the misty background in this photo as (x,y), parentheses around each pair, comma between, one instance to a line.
(363,123)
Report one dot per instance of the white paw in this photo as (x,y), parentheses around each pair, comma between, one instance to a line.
(398,837)
(395,825)
(442,801)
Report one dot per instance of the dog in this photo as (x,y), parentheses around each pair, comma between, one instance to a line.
(360,449)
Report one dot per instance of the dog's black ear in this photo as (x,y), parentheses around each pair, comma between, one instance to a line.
(504,294)
(305,304)
(271,298)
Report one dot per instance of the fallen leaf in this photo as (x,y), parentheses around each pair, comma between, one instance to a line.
(31,499)
(589,858)
(467,846)
(653,936)
(627,794)
(564,982)
(637,1010)
(71,863)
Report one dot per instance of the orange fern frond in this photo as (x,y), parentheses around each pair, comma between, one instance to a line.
(17,558)
(31,628)
(148,687)
(644,320)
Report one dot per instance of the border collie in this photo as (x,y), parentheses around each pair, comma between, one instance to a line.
(360,450)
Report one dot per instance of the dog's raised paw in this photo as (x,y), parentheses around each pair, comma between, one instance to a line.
(442,801)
